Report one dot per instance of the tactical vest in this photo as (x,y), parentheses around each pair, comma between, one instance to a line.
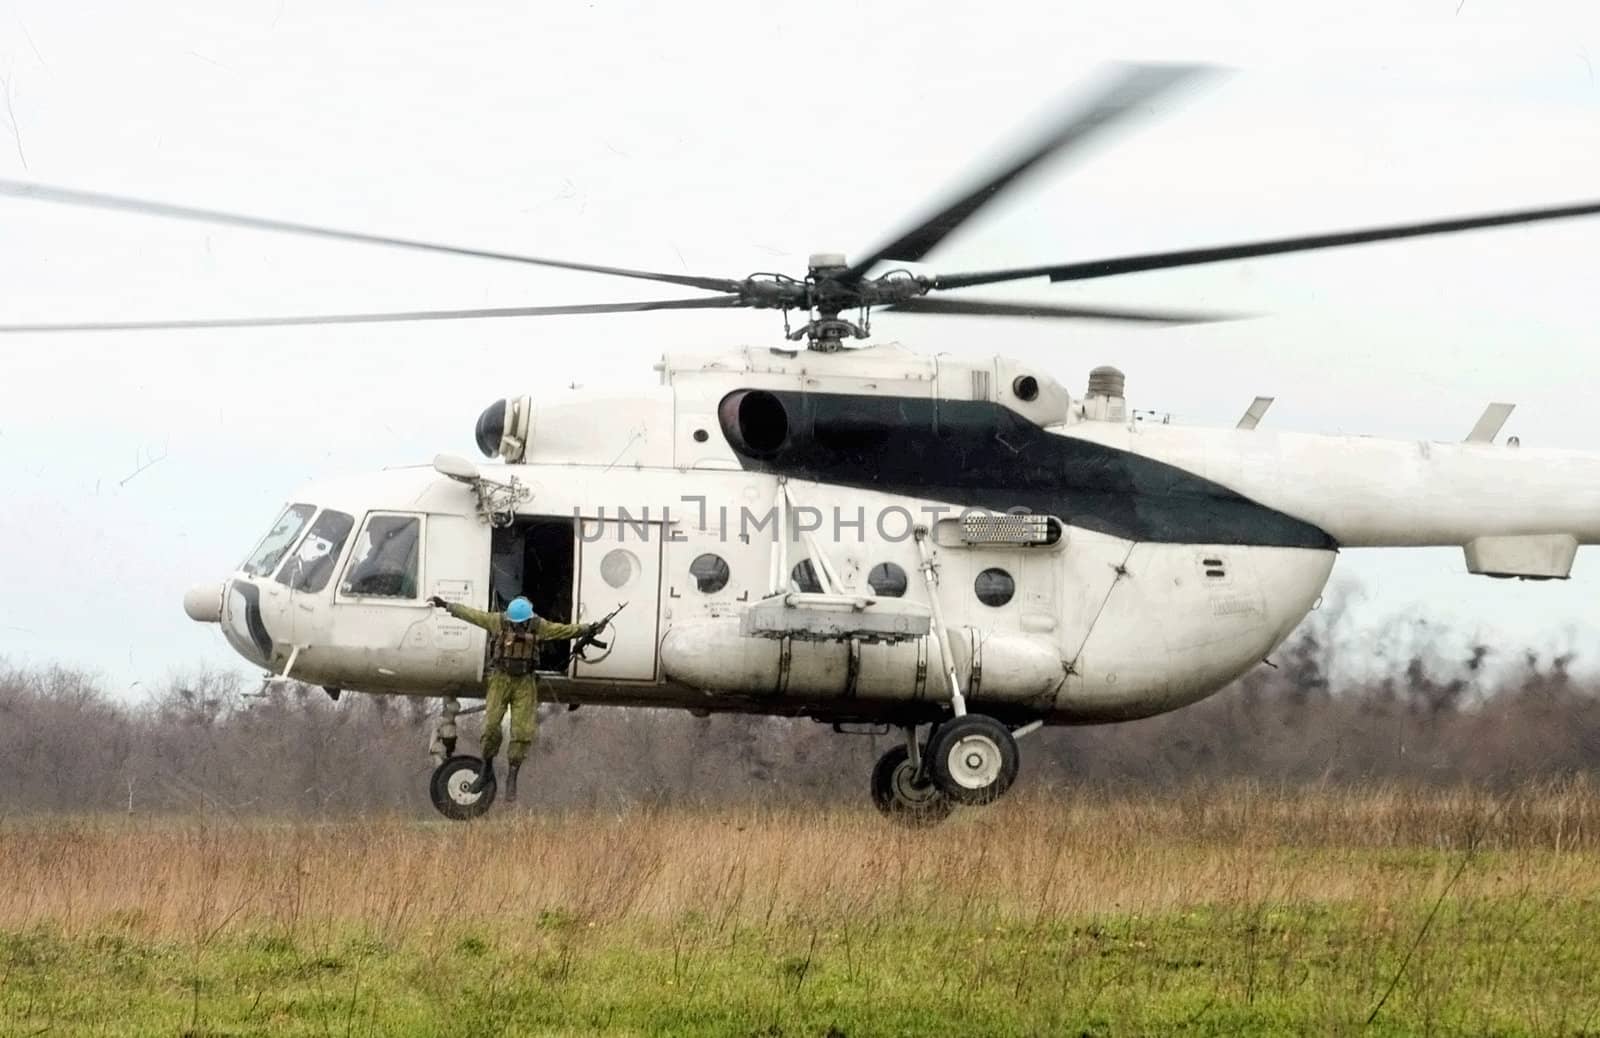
(514,651)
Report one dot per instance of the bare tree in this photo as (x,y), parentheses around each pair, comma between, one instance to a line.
(200,743)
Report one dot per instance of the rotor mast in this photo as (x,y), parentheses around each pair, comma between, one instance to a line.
(832,287)
(826,330)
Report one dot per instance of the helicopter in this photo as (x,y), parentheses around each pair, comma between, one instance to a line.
(958,549)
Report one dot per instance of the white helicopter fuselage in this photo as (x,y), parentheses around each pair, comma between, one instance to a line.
(1176,558)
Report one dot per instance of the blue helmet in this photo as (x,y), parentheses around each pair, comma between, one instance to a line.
(520,611)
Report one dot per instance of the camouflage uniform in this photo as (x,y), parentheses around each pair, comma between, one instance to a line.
(520,691)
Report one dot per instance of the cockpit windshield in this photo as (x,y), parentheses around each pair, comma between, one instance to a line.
(278,540)
(309,568)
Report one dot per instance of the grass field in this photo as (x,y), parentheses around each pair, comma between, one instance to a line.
(1216,911)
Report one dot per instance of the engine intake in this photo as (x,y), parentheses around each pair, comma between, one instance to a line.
(756,421)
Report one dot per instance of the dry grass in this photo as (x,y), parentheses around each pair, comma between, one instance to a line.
(1060,855)
(1218,910)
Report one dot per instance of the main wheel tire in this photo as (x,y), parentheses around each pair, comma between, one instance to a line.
(898,793)
(973,759)
(448,789)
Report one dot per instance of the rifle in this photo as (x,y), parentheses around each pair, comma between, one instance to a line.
(583,641)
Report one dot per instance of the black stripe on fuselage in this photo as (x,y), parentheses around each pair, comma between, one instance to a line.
(252,617)
(980,454)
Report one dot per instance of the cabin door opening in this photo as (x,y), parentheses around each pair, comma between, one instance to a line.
(534,557)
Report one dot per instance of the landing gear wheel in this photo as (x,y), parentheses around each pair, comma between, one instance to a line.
(448,788)
(973,759)
(898,792)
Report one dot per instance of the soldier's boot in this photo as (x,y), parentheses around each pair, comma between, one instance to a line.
(511,780)
(485,776)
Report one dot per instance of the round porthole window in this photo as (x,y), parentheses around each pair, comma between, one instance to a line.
(887,579)
(994,587)
(619,567)
(804,578)
(710,573)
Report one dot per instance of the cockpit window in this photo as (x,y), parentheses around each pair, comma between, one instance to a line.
(384,563)
(309,568)
(276,544)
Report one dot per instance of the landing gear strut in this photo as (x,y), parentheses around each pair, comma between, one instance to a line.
(443,744)
(972,759)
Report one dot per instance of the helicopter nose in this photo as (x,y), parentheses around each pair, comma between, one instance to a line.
(203,603)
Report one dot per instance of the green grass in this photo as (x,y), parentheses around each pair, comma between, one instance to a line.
(1509,963)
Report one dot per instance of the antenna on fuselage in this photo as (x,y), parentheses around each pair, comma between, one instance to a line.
(455,467)
(497,501)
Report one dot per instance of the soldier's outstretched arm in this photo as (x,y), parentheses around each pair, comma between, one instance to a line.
(554,632)
(476,617)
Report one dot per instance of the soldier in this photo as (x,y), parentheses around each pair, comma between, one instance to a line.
(514,638)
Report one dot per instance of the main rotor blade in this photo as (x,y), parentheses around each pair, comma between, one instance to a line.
(1134,85)
(996,308)
(1087,269)
(94,200)
(708,303)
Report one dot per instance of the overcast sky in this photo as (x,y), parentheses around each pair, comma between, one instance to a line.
(725,139)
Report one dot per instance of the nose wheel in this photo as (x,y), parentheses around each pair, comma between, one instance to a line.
(448,789)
